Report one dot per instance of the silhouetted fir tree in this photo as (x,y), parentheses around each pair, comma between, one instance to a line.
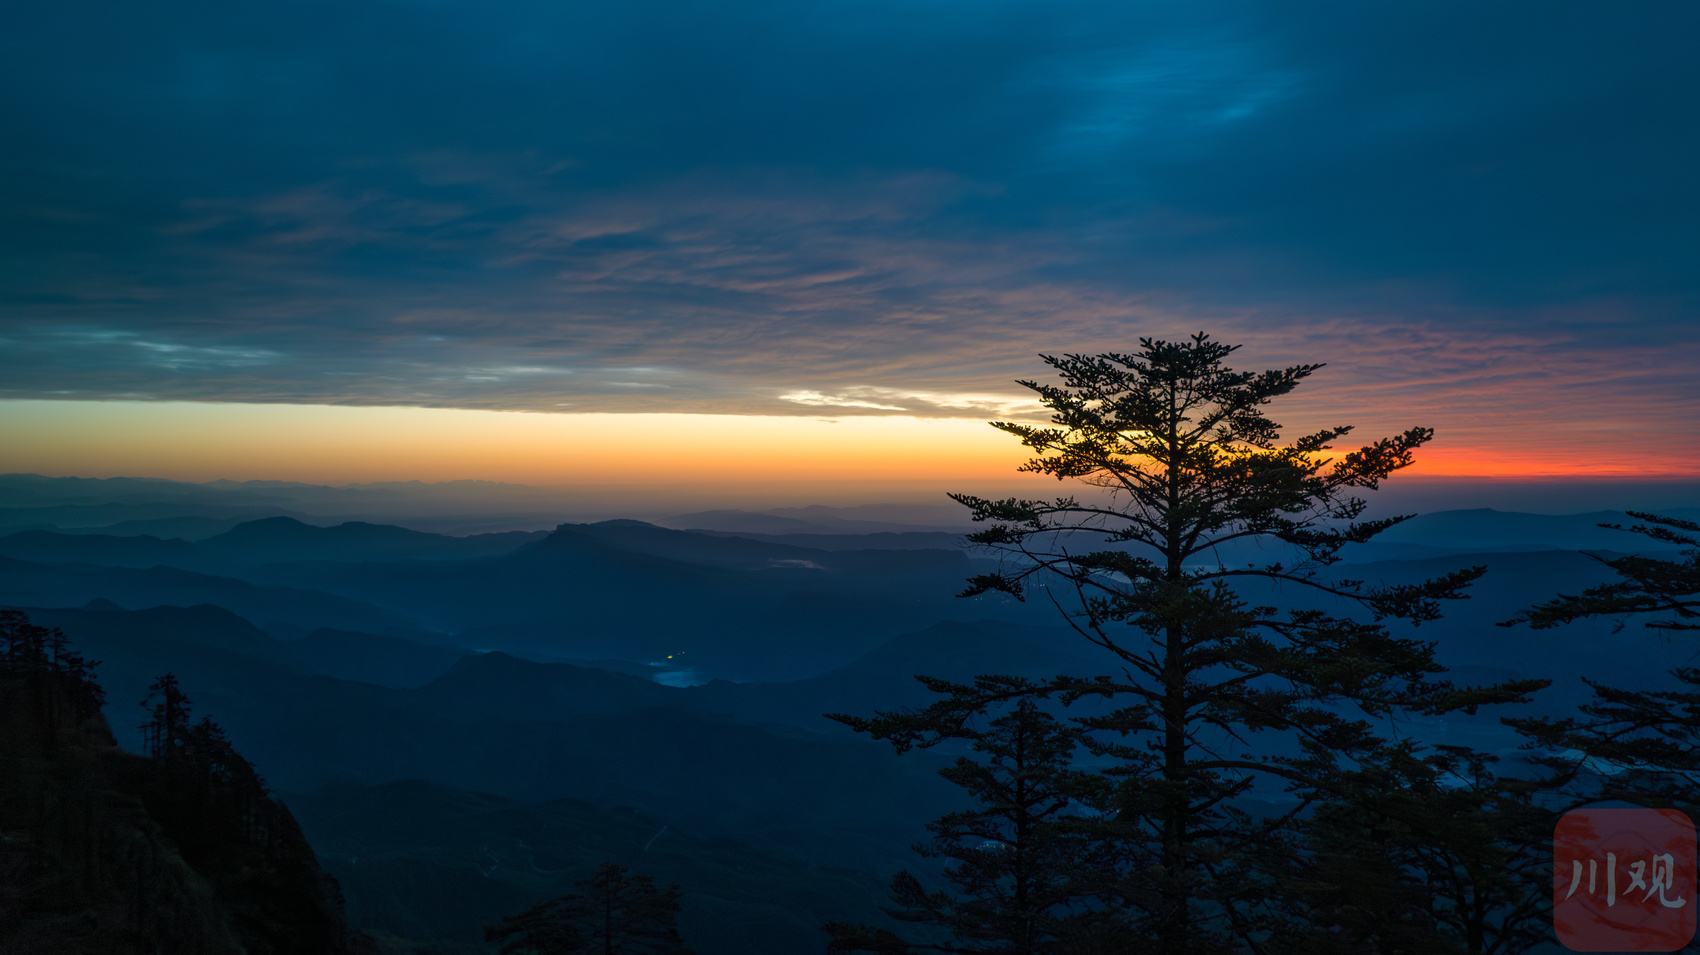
(202,770)
(1423,852)
(1025,866)
(1187,462)
(57,673)
(167,727)
(614,913)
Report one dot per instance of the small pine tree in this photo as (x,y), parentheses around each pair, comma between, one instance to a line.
(24,647)
(199,759)
(167,728)
(1023,862)
(613,913)
(58,672)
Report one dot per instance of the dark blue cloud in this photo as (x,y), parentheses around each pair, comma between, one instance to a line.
(714,205)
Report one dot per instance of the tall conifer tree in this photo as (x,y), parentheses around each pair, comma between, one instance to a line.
(1186,471)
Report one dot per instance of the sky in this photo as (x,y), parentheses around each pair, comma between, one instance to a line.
(758,241)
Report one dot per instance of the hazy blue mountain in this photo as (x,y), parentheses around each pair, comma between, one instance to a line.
(623,589)
(24,583)
(497,686)
(942,513)
(884,678)
(1467,637)
(166,528)
(102,623)
(249,543)
(281,539)
(1488,529)
(876,518)
(881,540)
(36,490)
(717,550)
(33,501)
(739,609)
(70,517)
(370,657)
(732,521)
(723,606)
(709,550)
(101,549)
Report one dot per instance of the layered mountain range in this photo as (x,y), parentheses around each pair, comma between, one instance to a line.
(466,724)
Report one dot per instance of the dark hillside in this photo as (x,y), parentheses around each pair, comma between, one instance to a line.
(430,862)
(107,853)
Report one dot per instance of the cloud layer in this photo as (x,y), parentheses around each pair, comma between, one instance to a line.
(1471,210)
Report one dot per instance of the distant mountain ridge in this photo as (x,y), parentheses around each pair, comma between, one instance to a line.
(32,501)
(264,541)
(24,583)
(745,607)
(818,519)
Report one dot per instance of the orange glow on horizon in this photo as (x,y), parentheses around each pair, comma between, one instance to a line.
(347,444)
(1538,462)
(344,444)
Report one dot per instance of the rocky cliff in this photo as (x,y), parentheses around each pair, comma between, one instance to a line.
(109,853)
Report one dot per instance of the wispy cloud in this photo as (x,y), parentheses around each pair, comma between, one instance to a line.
(931,404)
(815,399)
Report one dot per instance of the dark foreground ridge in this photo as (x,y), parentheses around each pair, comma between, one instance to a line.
(108,853)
